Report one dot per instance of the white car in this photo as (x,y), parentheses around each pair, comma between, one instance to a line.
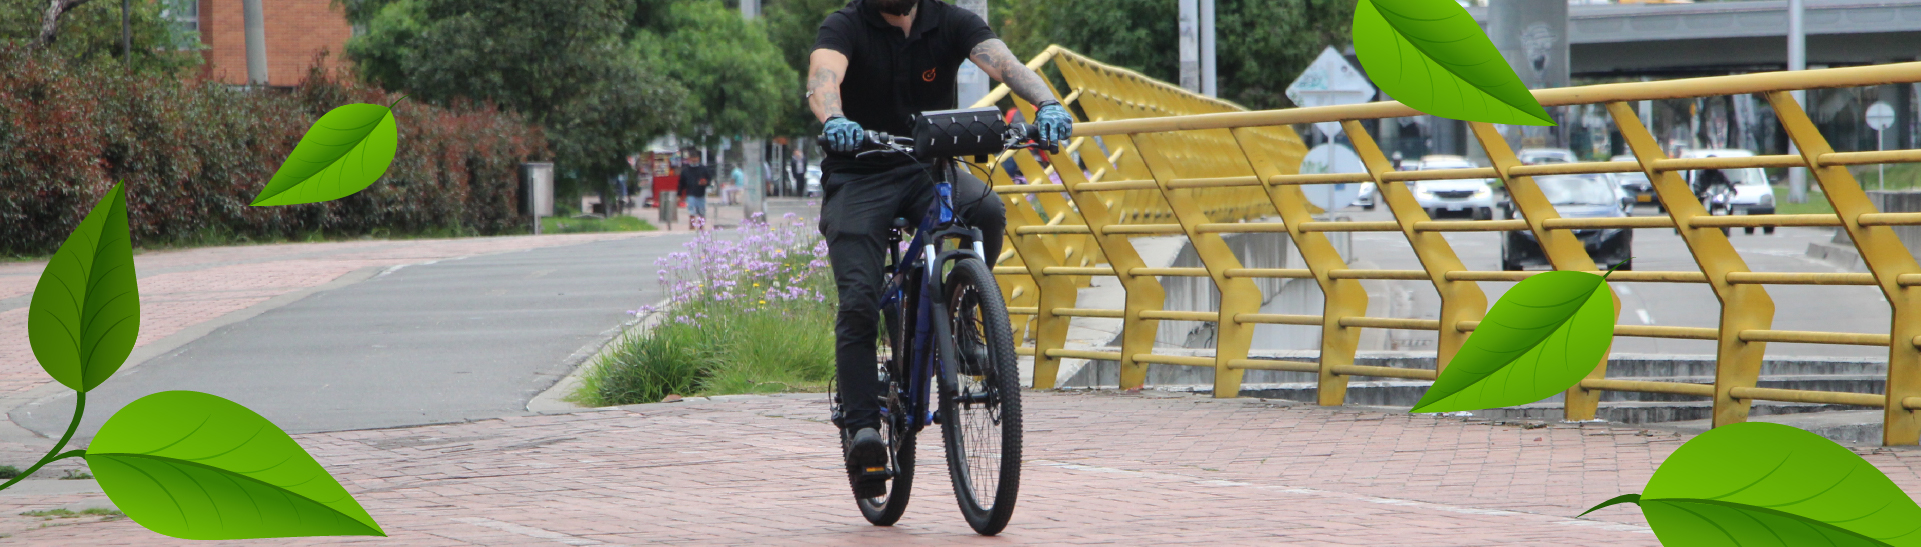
(1536,156)
(1473,197)
(1366,199)
(1752,194)
(812,189)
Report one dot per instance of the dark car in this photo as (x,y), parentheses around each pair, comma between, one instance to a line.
(1575,196)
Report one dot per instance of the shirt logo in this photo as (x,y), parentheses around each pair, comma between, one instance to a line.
(927,76)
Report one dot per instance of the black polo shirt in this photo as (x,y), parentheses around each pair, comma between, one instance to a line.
(893,75)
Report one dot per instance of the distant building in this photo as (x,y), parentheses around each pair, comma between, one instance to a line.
(298,31)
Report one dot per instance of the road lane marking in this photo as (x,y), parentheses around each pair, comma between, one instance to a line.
(1626,290)
(528,531)
(1561,520)
(1645,320)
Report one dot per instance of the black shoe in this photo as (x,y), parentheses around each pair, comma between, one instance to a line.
(867,463)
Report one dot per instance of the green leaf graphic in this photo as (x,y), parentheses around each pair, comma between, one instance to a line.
(1763,484)
(1432,56)
(1541,338)
(196,466)
(344,152)
(86,309)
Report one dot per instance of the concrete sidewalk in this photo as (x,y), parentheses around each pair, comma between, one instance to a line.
(186,294)
(1103,468)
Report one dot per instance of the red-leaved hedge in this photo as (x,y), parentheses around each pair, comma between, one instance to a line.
(194,154)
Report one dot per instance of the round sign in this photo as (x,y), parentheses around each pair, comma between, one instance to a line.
(1880,116)
(1332,158)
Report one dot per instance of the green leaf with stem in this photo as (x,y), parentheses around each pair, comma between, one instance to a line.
(196,466)
(344,152)
(54,454)
(85,312)
(1432,56)
(1539,339)
(1762,484)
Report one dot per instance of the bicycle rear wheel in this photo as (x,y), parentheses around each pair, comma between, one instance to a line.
(886,509)
(980,398)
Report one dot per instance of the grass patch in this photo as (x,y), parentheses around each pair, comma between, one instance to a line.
(1817,202)
(749,314)
(68,513)
(8,471)
(560,225)
(76,474)
(1900,176)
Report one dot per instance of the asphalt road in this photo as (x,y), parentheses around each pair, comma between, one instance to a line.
(442,342)
(1797,307)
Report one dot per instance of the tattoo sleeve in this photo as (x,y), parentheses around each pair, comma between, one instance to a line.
(823,85)
(998,62)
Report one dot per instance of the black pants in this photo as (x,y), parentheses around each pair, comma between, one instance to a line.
(855,219)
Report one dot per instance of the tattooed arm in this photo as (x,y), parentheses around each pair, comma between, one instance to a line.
(997,61)
(825,70)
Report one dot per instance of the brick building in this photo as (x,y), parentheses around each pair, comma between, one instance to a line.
(297,32)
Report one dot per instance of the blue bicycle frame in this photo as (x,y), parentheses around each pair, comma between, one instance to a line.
(923,358)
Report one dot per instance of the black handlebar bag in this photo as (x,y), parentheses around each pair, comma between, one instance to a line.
(959,133)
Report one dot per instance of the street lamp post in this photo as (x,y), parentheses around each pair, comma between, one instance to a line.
(1797,60)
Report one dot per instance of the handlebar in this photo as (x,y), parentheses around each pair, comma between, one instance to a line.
(1017,136)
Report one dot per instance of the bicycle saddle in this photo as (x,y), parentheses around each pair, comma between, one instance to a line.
(900,222)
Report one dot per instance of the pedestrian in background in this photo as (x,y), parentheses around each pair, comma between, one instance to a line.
(739,185)
(694,179)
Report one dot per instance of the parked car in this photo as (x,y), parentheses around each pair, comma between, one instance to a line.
(1575,196)
(1473,197)
(1535,156)
(1635,184)
(812,189)
(1367,199)
(1752,194)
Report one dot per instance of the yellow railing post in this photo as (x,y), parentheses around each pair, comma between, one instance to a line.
(1238,295)
(1884,254)
(1343,297)
(1460,300)
(1743,306)
(1564,251)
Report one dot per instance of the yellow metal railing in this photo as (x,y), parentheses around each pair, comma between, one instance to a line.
(1170,162)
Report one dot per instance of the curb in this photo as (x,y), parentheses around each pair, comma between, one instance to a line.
(552,400)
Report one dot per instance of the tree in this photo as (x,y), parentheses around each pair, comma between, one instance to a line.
(563,64)
(736,81)
(792,26)
(1261,45)
(83,31)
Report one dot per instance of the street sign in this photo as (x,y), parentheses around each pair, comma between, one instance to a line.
(1330,80)
(1332,158)
(1880,116)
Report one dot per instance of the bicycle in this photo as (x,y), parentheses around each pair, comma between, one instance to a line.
(957,336)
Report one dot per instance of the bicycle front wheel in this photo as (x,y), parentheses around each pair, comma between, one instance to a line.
(980,402)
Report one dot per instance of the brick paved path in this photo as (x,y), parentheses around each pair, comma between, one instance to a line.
(1104,468)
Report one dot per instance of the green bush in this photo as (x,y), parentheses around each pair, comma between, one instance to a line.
(195,153)
(752,313)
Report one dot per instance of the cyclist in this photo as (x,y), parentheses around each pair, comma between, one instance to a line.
(876,63)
